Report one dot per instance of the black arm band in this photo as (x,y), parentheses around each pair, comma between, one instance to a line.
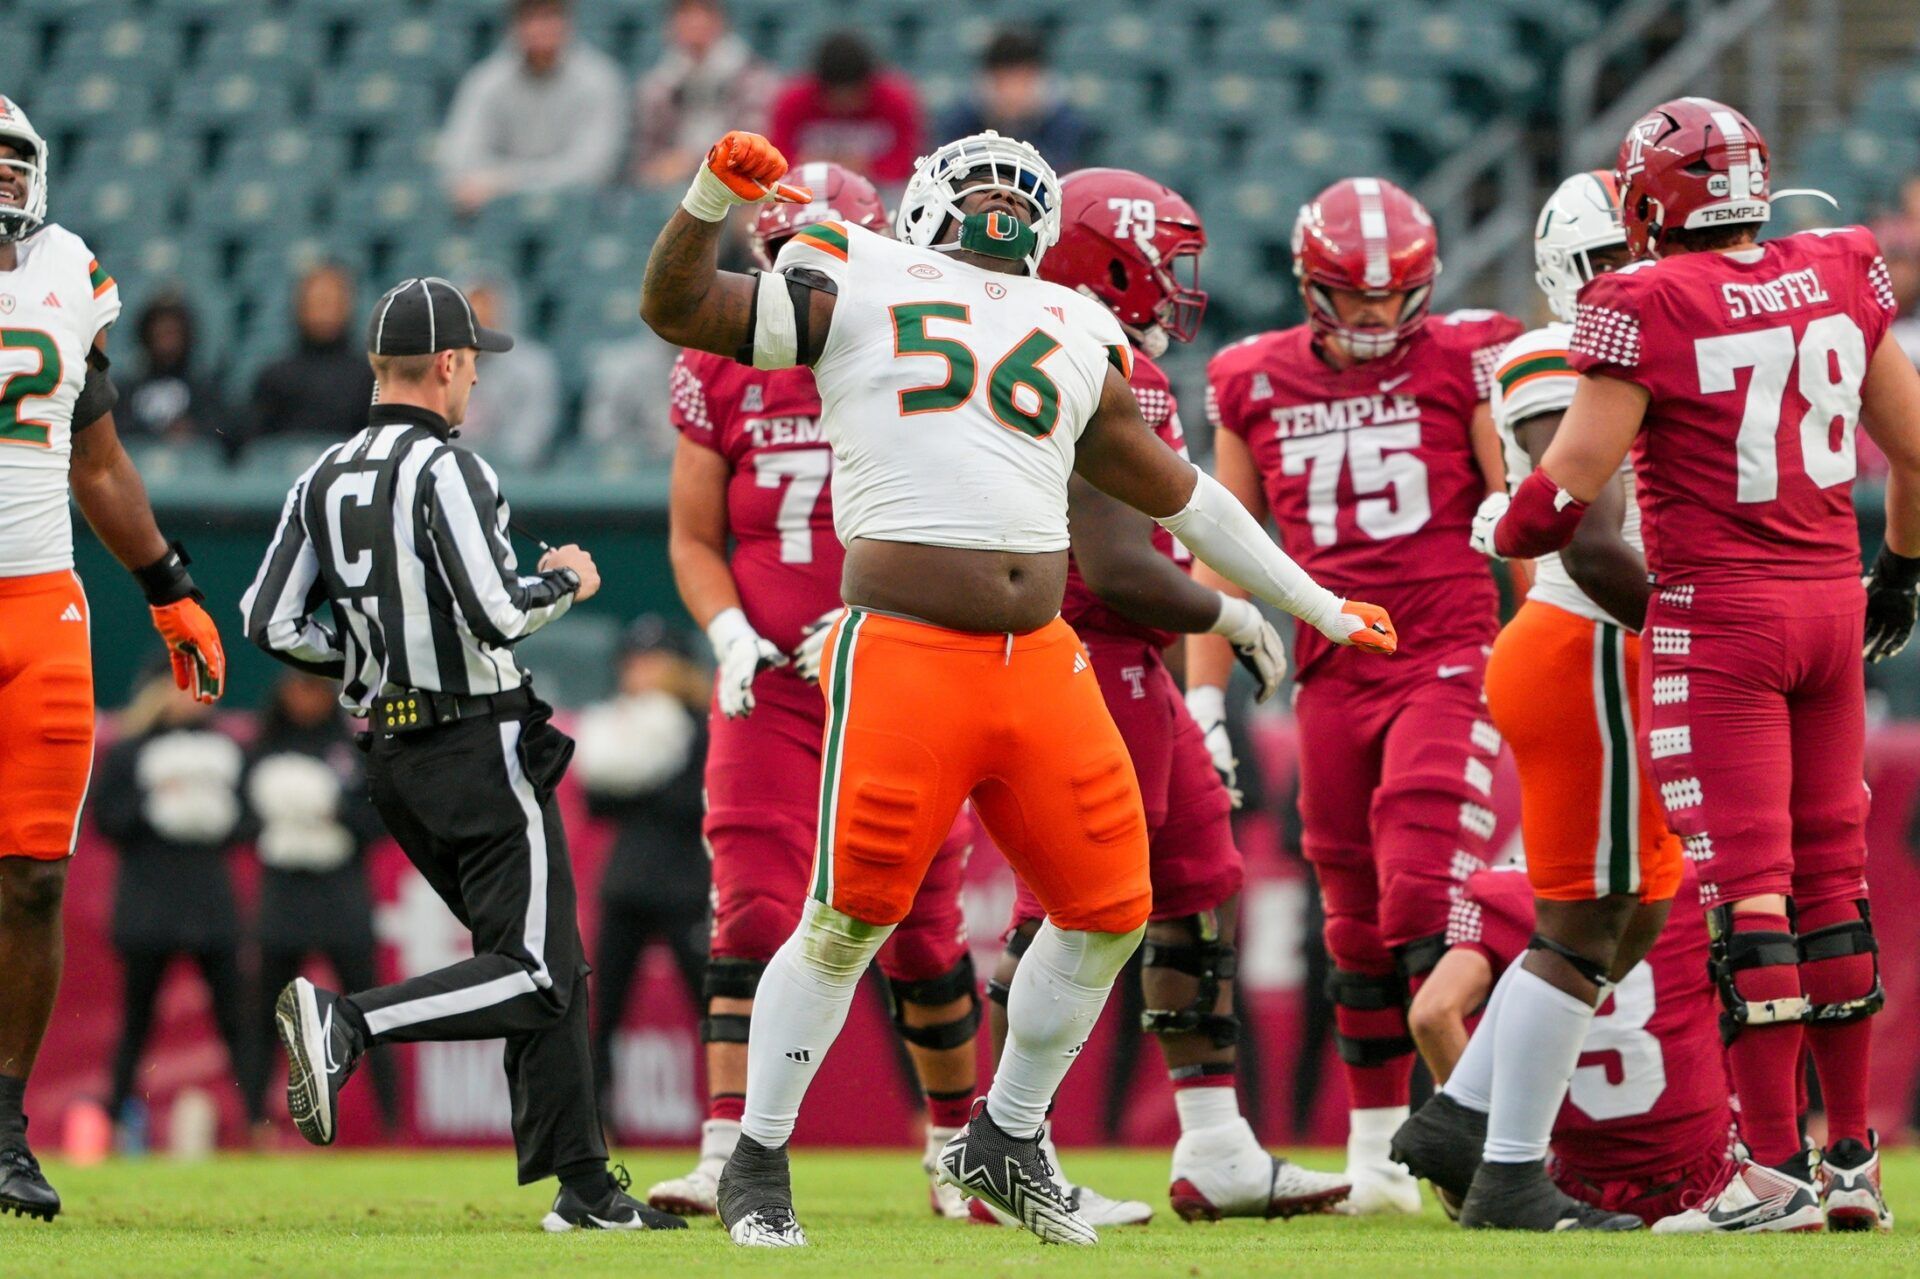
(98,395)
(166,580)
(1897,571)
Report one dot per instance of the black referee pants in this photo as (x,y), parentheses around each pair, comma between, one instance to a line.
(471,803)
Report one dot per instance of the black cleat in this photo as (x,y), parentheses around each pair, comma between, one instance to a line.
(1441,1141)
(1014,1176)
(322,1051)
(1522,1197)
(614,1210)
(756,1197)
(23,1187)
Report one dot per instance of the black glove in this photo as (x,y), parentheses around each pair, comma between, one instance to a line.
(1890,604)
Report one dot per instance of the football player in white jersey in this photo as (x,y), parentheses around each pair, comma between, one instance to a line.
(56,438)
(959,392)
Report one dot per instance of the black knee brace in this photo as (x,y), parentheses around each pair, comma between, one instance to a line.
(1017,943)
(1370,993)
(956,983)
(1580,963)
(1418,957)
(1729,953)
(1837,941)
(1211,961)
(729,979)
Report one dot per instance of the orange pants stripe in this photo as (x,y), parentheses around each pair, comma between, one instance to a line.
(1561,690)
(920,718)
(46,713)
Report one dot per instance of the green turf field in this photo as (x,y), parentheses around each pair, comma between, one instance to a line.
(352,1215)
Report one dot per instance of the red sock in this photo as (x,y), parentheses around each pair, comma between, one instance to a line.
(1840,1050)
(727,1105)
(949,1109)
(1765,1060)
(1370,1087)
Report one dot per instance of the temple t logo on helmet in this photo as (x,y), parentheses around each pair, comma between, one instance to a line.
(1687,164)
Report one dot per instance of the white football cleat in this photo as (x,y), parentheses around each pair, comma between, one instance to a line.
(1224,1172)
(696,1194)
(1850,1193)
(1755,1200)
(1376,1189)
(948,1201)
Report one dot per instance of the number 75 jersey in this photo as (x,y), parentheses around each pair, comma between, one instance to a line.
(1752,364)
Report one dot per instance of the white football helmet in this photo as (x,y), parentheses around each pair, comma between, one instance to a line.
(21,222)
(1583,214)
(933,192)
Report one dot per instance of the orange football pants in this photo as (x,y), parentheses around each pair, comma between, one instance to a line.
(46,713)
(920,718)
(1561,690)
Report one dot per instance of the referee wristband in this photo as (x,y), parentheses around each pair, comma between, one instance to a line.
(166,580)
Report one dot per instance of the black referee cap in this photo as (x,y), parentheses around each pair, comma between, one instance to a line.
(422,316)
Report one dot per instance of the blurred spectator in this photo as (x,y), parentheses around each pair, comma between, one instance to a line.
(706,83)
(1016,96)
(323,386)
(626,399)
(851,110)
(167,796)
(640,759)
(545,113)
(307,797)
(515,407)
(166,399)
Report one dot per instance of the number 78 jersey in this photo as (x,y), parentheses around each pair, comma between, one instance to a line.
(1752,363)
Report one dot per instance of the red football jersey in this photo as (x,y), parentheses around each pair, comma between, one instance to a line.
(1370,472)
(1753,364)
(766,424)
(1651,1091)
(1084,610)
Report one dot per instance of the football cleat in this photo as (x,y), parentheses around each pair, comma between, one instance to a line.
(695,1194)
(1521,1197)
(1850,1193)
(1377,1189)
(24,1189)
(1098,1210)
(1287,1190)
(1754,1199)
(1014,1176)
(755,1198)
(948,1202)
(322,1051)
(1441,1141)
(614,1210)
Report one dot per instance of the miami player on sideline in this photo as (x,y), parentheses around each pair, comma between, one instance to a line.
(1646,1128)
(753,471)
(951,674)
(1737,372)
(1600,857)
(1365,433)
(1127,242)
(57,437)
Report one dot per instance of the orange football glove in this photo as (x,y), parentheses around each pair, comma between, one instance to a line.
(1373,629)
(751,167)
(193,642)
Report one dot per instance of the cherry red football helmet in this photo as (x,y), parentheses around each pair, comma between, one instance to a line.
(1368,236)
(839,195)
(1134,245)
(1690,163)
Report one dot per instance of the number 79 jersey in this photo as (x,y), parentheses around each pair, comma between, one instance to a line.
(1752,363)
(766,424)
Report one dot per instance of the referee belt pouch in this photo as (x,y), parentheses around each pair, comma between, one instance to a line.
(545,751)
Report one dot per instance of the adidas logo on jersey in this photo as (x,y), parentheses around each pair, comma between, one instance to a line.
(52,299)
(72,614)
(1079,662)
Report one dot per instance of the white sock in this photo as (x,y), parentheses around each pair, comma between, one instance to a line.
(1539,1038)
(1471,1083)
(718,1137)
(798,1011)
(1057,995)
(1206,1107)
(1370,1132)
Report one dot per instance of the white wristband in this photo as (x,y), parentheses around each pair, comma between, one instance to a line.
(1207,703)
(1237,617)
(708,198)
(729,626)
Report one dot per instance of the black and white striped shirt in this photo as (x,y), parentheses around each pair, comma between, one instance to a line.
(404,533)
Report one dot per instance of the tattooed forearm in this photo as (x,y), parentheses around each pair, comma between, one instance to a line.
(685,299)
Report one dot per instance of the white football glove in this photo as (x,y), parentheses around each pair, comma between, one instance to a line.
(813,645)
(1255,643)
(1492,507)
(741,655)
(1208,706)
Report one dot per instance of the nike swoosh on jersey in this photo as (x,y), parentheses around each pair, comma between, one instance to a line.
(1390,383)
(1448,672)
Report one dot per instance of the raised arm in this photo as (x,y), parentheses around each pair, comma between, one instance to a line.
(690,302)
(1890,412)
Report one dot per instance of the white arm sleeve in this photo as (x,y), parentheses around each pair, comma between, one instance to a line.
(1217,529)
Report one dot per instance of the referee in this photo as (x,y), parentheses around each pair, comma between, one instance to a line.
(404,534)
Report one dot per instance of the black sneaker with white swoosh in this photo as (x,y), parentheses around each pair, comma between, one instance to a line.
(613,1210)
(322,1051)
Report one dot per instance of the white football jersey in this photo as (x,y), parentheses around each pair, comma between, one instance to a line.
(51,305)
(953,396)
(1533,377)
